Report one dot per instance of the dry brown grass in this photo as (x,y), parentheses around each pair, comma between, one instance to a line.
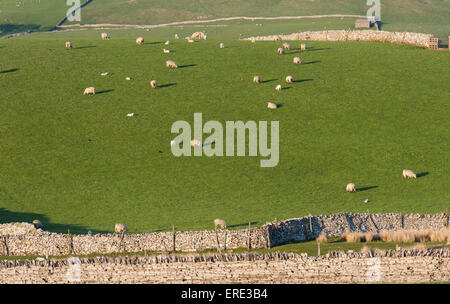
(400,236)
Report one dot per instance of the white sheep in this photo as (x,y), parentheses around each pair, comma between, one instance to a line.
(153,83)
(303,47)
(167,42)
(297,60)
(256,79)
(166,51)
(130,114)
(196,143)
(120,228)
(140,40)
(271,105)
(68,45)
(198,35)
(37,224)
(222,46)
(287,46)
(280,51)
(190,40)
(409,174)
(106,36)
(171,64)
(278,88)
(90,90)
(127,78)
(104,74)
(350,187)
(219,222)
(289,79)
(177,37)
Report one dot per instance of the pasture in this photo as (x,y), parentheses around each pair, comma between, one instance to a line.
(358,112)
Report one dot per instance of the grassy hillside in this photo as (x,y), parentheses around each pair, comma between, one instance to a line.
(359,112)
(399,15)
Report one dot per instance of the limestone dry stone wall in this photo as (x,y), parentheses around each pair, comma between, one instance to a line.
(418,39)
(392,266)
(21,242)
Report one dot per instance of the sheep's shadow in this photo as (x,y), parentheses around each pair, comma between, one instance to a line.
(422,174)
(186,66)
(366,188)
(155,42)
(269,80)
(167,85)
(84,47)
(104,91)
(312,62)
(9,71)
(242,225)
(279,105)
(302,80)
(287,88)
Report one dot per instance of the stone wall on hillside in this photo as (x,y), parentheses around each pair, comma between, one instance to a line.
(418,39)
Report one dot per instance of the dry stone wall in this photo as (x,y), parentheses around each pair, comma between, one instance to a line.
(418,39)
(43,243)
(392,266)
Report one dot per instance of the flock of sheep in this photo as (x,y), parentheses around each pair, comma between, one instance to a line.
(351,187)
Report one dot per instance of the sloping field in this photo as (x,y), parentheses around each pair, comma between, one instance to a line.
(358,112)
(399,15)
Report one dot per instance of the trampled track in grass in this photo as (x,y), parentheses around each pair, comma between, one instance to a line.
(360,112)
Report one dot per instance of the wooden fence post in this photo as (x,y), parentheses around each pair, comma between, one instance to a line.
(173,238)
(318,248)
(248,239)
(217,238)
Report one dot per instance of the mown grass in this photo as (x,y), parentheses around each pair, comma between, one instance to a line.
(361,112)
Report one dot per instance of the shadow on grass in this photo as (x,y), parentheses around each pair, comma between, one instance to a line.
(104,91)
(155,42)
(84,47)
(167,85)
(366,188)
(312,49)
(422,174)
(6,29)
(242,225)
(303,80)
(7,216)
(269,80)
(9,71)
(312,62)
(186,66)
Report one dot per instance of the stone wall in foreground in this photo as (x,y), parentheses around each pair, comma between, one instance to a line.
(392,266)
(418,39)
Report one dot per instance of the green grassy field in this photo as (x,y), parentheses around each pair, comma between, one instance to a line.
(358,112)
(398,15)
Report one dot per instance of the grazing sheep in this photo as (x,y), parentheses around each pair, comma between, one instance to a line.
(198,35)
(130,114)
(127,78)
(287,46)
(120,228)
(106,36)
(278,88)
(303,47)
(90,90)
(289,79)
(190,40)
(37,224)
(171,64)
(256,79)
(219,222)
(166,51)
(408,174)
(167,42)
(278,38)
(350,187)
(195,143)
(297,60)
(140,40)
(177,37)
(68,45)
(153,83)
(280,51)
(104,74)
(271,105)
(222,46)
